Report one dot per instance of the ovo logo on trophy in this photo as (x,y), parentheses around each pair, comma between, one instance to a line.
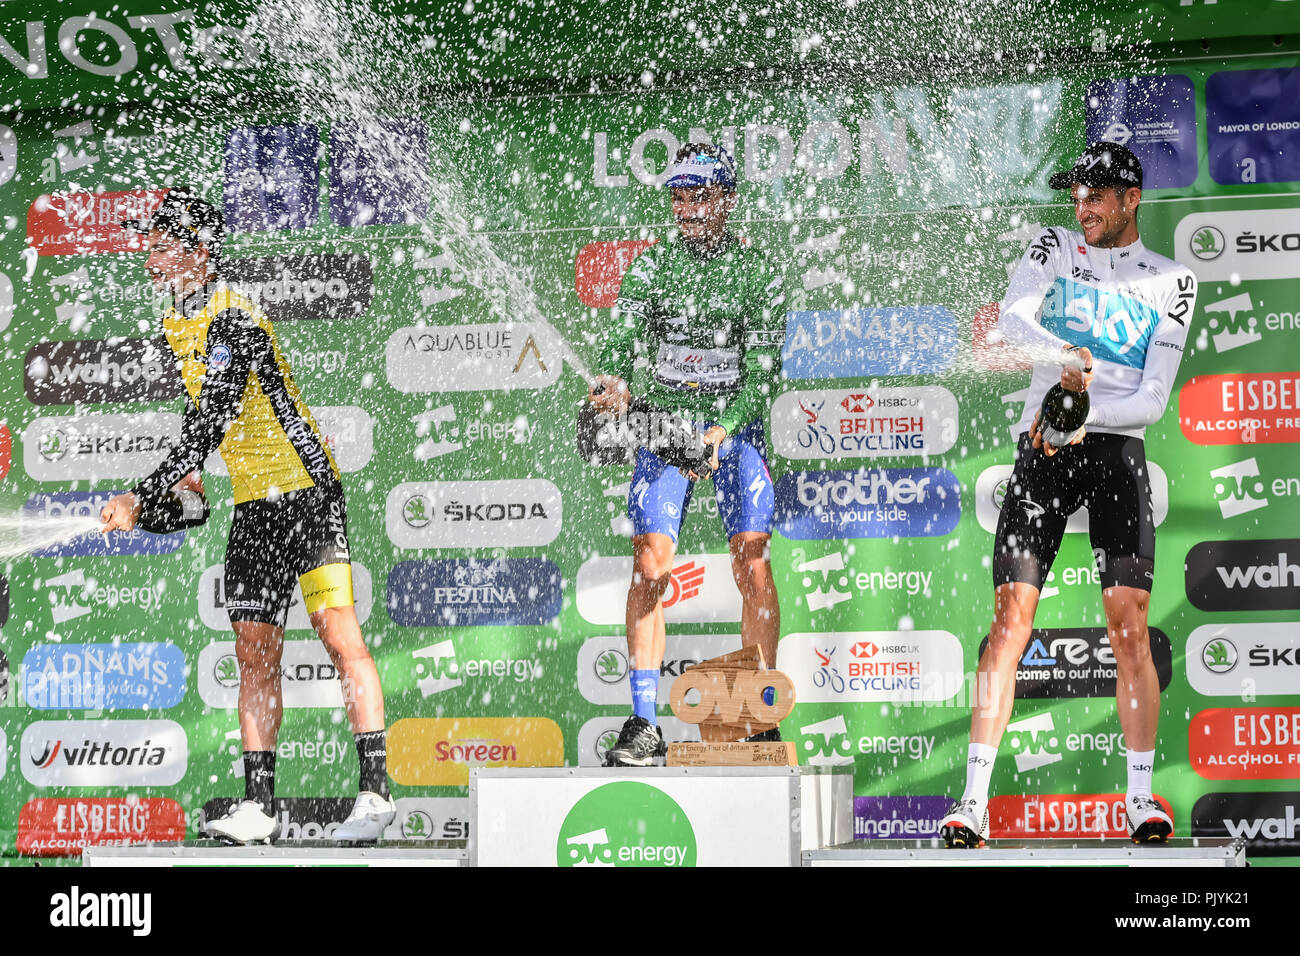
(731,697)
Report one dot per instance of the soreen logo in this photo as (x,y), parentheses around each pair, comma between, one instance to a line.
(626,824)
(438,752)
(104,753)
(910,340)
(460,592)
(1244,575)
(99,676)
(82,504)
(868,503)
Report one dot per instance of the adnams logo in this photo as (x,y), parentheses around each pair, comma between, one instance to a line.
(121,676)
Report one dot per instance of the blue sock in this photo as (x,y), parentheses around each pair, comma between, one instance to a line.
(645,690)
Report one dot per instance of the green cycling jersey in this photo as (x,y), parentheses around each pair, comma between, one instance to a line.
(699,335)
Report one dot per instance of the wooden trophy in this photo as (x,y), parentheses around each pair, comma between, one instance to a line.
(730,706)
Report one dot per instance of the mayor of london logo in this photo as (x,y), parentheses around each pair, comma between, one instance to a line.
(1207,243)
(626,824)
(1219,655)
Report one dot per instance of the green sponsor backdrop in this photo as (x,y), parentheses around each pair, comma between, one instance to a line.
(879,189)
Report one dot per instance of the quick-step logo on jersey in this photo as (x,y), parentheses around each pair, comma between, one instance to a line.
(1116,327)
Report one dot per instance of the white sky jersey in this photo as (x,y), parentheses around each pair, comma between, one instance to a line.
(1129,306)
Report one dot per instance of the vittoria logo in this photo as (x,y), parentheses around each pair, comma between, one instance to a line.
(104,753)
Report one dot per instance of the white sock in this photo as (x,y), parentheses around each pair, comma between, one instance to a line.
(1140,765)
(979,771)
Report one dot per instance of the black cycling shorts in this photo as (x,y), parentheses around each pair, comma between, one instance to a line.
(1108,475)
(273,543)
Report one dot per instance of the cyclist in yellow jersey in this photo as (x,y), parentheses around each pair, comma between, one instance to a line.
(290,521)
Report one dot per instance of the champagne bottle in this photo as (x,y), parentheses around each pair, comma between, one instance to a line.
(173,511)
(1062,415)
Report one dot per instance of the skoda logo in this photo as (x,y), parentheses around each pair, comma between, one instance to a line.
(418,825)
(226,671)
(605,743)
(1220,655)
(1207,243)
(416,511)
(1000,493)
(611,667)
(53,445)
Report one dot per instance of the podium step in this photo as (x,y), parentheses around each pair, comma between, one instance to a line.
(1198,851)
(287,853)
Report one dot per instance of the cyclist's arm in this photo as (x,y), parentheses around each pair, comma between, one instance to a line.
(1020,314)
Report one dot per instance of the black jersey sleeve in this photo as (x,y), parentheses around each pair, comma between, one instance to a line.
(236,345)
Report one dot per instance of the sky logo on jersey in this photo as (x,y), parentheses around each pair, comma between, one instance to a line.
(850,343)
(104,676)
(464,592)
(1115,327)
(86,504)
(1252,121)
(1155,117)
(868,503)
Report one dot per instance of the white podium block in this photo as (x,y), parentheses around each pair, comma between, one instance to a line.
(1198,851)
(656,816)
(291,853)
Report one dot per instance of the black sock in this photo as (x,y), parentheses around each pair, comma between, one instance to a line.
(372,751)
(259,777)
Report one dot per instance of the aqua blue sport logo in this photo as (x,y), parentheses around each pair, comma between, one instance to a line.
(868,503)
(466,592)
(103,676)
(84,504)
(850,343)
(1114,327)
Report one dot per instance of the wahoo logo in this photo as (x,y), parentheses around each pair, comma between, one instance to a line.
(1286,827)
(1232,333)
(686,581)
(1280,575)
(591,849)
(827,743)
(1035,742)
(439,661)
(1238,488)
(826,595)
(1244,575)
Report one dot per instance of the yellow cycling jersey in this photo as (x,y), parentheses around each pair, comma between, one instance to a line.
(241,400)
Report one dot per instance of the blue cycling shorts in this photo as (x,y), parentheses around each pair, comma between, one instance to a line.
(660,494)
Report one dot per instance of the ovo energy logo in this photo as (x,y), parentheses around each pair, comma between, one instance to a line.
(626,824)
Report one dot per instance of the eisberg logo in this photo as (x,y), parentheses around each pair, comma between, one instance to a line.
(1244,660)
(461,592)
(603,667)
(98,446)
(1244,575)
(305,287)
(104,753)
(86,504)
(868,503)
(864,423)
(908,340)
(65,826)
(1245,743)
(213,600)
(474,514)
(1091,815)
(78,223)
(701,589)
(1241,409)
(599,268)
(308,677)
(991,489)
(90,372)
(471,358)
(1071,662)
(859,666)
(123,676)
(1247,244)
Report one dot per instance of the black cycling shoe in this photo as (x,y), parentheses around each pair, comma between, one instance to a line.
(639,743)
(772,736)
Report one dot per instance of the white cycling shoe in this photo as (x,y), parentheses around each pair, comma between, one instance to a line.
(1147,822)
(370,816)
(967,824)
(245,823)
